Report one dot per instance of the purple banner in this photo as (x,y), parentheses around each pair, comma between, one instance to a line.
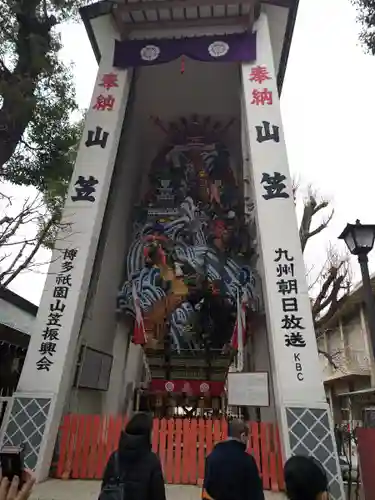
(218,48)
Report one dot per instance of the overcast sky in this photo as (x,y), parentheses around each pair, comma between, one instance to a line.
(328,108)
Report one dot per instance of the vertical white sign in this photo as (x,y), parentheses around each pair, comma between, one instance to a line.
(53,341)
(290,326)
(304,420)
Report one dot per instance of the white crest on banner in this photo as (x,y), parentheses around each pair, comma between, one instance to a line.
(218,49)
(169,386)
(204,387)
(150,52)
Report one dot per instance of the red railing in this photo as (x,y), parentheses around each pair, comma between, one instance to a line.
(86,442)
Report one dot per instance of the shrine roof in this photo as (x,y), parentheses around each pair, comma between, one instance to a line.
(144,15)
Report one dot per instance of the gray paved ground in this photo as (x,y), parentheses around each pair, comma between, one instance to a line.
(56,489)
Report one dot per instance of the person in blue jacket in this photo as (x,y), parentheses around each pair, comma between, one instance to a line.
(231,473)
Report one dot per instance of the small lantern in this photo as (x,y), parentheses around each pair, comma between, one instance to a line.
(359,238)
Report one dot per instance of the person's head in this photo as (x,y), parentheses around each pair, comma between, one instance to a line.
(139,425)
(305,479)
(135,439)
(237,429)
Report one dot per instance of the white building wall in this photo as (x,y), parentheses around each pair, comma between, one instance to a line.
(334,341)
(348,346)
(277,21)
(101,327)
(353,334)
(14,317)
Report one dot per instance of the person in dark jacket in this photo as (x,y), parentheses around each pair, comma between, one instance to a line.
(231,473)
(305,479)
(139,467)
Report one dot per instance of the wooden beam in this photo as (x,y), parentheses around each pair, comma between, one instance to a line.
(251,19)
(279,3)
(119,24)
(187,23)
(175,4)
(125,28)
(140,5)
(253,14)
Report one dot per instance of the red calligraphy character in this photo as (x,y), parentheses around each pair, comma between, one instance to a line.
(262,97)
(109,80)
(104,103)
(259,74)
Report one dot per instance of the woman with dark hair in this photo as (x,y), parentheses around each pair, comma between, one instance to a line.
(305,479)
(134,464)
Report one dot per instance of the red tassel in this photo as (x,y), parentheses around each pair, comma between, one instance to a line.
(182,65)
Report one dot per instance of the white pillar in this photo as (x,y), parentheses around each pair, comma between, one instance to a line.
(304,418)
(50,363)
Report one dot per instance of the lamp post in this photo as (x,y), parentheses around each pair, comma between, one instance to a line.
(359,239)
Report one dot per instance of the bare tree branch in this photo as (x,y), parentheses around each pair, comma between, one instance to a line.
(30,212)
(31,255)
(333,280)
(12,265)
(329,357)
(322,226)
(41,229)
(311,208)
(295,186)
(5,220)
(335,283)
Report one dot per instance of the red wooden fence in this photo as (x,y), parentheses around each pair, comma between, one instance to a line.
(86,442)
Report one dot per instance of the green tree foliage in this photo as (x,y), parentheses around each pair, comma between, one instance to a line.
(37,97)
(366,16)
(38,140)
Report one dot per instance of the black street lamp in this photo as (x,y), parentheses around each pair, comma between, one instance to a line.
(359,239)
